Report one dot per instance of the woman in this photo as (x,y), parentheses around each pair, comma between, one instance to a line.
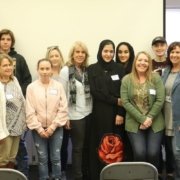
(55,56)
(46,113)
(171,79)
(14,113)
(143,94)
(105,80)
(3,128)
(75,80)
(125,56)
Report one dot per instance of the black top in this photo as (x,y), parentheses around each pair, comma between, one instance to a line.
(21,70)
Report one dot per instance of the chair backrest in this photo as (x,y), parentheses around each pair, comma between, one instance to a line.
(129,171)
(11,174)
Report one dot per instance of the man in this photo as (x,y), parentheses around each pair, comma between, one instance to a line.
(21,71)
(159,47)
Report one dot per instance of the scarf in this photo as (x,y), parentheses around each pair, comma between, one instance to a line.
(83,78)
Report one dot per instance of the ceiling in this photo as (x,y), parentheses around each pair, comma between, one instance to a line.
(175,4)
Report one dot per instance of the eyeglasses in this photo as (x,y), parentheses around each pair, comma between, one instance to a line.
(52,47)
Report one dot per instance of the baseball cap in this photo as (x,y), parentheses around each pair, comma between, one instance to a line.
(158,39)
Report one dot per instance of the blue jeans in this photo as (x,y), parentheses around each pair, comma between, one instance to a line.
(55,142)
(22,158)
(176,151)
(146,145)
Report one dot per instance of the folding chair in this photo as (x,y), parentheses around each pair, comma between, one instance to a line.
(129,171)
(11,174)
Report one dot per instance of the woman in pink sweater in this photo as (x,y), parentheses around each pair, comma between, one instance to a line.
(46,111)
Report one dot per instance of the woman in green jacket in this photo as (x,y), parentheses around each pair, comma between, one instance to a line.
(143,94)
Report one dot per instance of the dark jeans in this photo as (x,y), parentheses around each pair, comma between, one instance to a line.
(78,136)
(146,145)
(22,158)
(64,149)
(169,162)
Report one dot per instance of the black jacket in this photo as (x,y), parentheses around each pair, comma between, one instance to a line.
(21,71)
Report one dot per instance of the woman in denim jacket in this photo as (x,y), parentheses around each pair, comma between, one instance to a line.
(171,79)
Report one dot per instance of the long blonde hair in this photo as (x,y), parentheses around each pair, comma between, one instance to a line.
(77,44)
(148,73)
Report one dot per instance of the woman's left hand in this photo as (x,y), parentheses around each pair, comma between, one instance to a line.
(148,122)
(119,120)
(49,131)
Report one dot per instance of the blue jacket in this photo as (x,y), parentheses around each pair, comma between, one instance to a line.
(175,96)
(175,99)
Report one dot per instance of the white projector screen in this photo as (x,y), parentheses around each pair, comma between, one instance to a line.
(38,24)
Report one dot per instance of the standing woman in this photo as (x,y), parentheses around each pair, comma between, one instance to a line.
(143,95)
(125,56)
(14,113)
(108,116)
(3,128)
(54,54)
(75,80)
(46,113)
(171,79)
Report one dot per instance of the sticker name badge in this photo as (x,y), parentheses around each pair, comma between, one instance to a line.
(9,96)
(53,91)
(152,91)
(115,77)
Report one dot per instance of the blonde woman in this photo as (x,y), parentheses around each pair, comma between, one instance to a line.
(76,84)
(54,54)
(143,95)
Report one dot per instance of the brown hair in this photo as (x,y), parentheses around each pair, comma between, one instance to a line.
(5,56)
(7,31)
(44,59)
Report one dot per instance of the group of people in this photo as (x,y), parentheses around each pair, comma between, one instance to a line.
(122,109)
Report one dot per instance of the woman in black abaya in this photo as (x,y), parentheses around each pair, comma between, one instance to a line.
(108,114)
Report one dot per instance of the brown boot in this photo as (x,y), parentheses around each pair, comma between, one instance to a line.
(10,165)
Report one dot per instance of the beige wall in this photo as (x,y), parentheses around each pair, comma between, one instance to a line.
(38,24)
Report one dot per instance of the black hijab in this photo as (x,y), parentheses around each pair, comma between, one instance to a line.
(128,67)
(105,65)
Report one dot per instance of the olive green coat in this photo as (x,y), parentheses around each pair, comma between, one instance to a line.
(156,95)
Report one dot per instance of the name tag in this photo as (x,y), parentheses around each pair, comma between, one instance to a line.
(168,99)
(9,96)
(53,91)
(115,77)
(152,91)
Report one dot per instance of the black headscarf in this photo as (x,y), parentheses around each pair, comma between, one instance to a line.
(105,65)
(128,67)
